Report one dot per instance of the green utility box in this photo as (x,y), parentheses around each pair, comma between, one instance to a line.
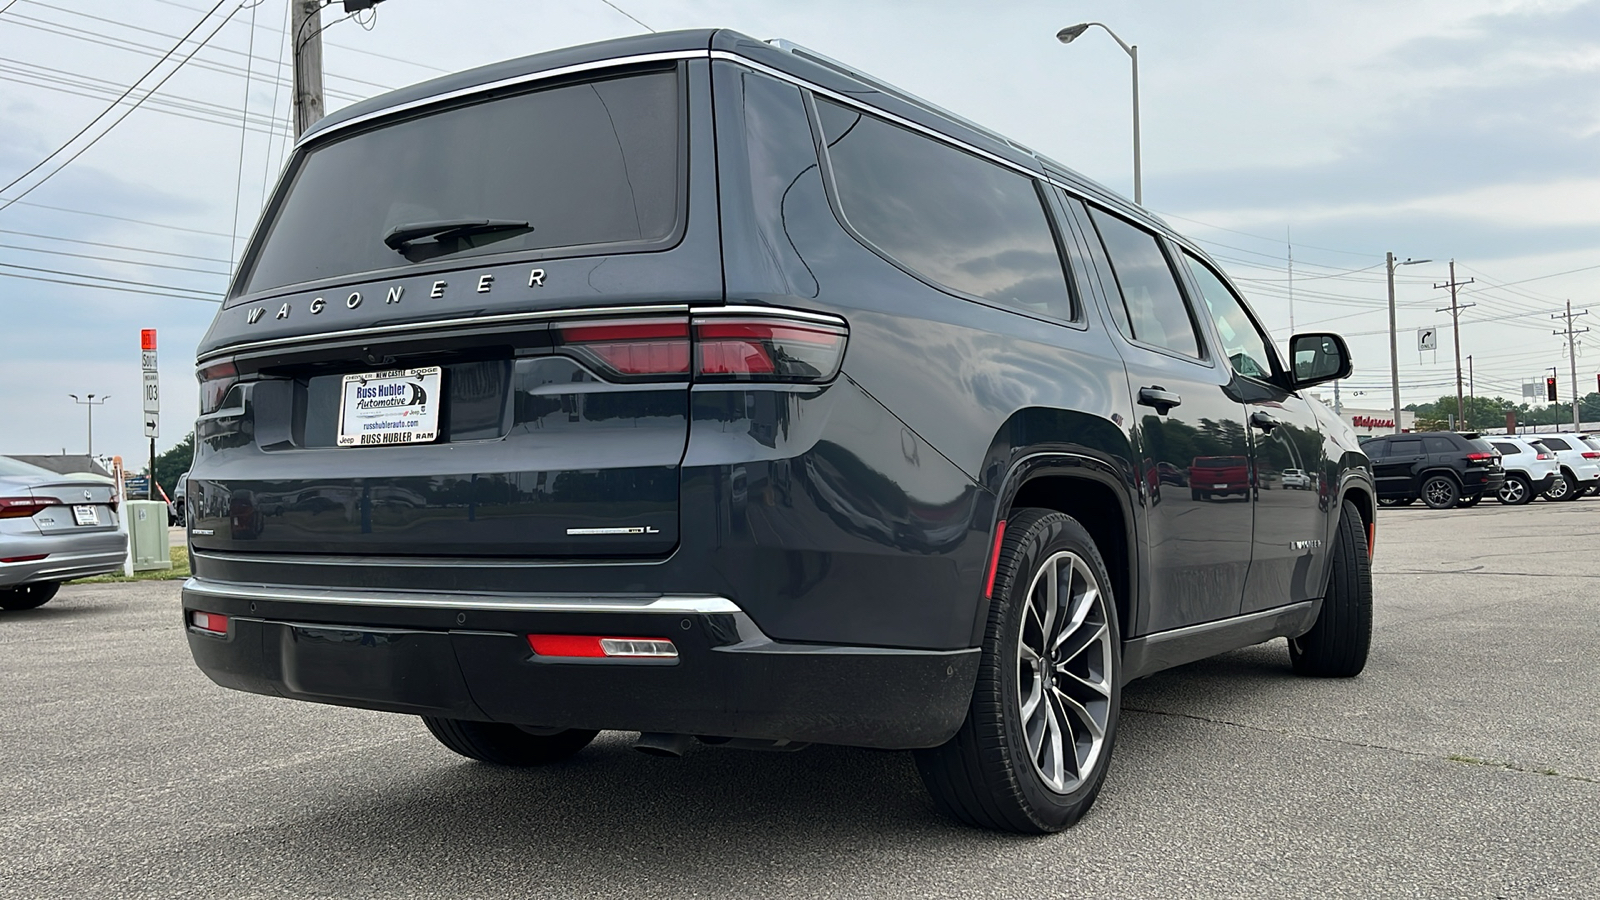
(147,534)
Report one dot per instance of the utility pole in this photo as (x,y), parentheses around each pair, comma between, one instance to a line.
(1394,353)
(306,29)
(1572,352)
(1455,319)
(1472,396)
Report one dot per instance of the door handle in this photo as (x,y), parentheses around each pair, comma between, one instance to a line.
(1158,397)
(1263,420)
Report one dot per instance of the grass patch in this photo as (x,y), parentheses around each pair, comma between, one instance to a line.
(178,572)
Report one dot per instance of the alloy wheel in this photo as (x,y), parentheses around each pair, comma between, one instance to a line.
(1512,491)
(1439,493)
(1558,488)
(1063,671)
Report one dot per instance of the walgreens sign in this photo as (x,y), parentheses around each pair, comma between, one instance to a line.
(1370,422)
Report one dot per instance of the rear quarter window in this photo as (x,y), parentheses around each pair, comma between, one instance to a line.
(1556,443)
(954,219)
(1508,449)
(1439,445)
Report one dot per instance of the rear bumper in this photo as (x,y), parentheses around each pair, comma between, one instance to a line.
(65,557)
(1475,483)
(466,656)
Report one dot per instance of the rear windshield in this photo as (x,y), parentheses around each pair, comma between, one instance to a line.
(9,466)
(1218,462)
(570,166)
(1479,445)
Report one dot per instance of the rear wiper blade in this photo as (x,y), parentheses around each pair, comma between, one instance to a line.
(401,235)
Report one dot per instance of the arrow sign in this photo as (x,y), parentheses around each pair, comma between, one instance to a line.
(1427,339)
(152,425)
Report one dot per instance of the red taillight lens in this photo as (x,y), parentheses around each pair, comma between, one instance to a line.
(210,623)
(1544,456)
(1592,454)
(1480,456)
(763,349)
(632,348)
(16,559)
(23,507)
(215,382)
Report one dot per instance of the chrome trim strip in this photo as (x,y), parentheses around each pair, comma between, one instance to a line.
(1186,631)
(775,311)
(526,78)
(467,322)
(673,605)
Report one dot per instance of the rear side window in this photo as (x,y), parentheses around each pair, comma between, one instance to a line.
(1375,449)
(945,214)
(1556,443)
(581,164)
(1507,449)
(1438,445)
(1156,311)
(1540,446)
(1408,447)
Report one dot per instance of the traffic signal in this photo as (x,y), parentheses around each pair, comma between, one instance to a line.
(1550,389)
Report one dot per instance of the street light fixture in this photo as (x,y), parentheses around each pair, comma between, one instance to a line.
(1072,33)
(90,402)
(1394,352)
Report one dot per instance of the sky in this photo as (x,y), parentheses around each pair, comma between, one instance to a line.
(1325,133)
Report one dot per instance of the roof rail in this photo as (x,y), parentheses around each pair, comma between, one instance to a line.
(789,46)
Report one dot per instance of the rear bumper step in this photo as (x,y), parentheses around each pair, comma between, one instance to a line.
(467,656)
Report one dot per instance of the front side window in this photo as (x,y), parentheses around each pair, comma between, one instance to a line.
(1247,349)
(945,214)
(1157,314)
(581,164)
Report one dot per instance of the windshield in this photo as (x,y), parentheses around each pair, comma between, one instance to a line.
(1218,462)
(576,165)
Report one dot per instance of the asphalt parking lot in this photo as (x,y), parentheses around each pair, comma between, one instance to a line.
(1465,762)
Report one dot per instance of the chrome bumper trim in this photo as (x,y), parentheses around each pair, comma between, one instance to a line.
(671,605)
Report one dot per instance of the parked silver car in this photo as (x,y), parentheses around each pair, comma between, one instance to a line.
(53,528)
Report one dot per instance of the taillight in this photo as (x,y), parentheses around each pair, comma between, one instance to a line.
(1592,454)
(215,382)
(1479,457)
(632,348)
(767,349)
(23,507)
(1544,456)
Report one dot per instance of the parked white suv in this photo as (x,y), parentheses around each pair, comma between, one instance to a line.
(1580,465)
(1530,466)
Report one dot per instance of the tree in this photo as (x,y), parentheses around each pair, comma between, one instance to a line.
(173,463)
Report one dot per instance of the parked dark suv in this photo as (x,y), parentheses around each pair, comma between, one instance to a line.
(696,386)
(1442,468)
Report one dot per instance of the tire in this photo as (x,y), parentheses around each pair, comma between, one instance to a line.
(1194,494)
(28,596)
(1396,501)
(1516,491)
(1562,488)
(999,770)
(507,745)
(1440,492)
(1468,502)
(1338,644)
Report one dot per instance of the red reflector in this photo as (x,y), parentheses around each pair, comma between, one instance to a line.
(994,558)
(1372,538)
(23,507)
(215,382)
(14,559)
(212,623)
(592,646)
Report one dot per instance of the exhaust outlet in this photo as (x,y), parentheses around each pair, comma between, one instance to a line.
(657,743)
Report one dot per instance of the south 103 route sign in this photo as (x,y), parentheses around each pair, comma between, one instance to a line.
(152,382)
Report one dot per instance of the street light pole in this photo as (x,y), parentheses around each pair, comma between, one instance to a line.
(90,402)
(1070,34)
(1394,353)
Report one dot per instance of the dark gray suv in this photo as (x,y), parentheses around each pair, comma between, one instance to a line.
(700,387)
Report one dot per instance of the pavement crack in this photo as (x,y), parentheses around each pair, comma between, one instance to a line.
(1362,745)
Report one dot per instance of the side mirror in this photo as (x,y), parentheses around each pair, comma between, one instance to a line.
(1318,358)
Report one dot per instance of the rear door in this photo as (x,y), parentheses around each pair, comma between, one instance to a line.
(1396,471)
(1199,534)
(464,331)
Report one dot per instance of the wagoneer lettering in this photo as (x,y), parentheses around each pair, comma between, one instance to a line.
(851,423)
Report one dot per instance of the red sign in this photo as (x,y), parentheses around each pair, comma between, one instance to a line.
(1369,422)
(147,339)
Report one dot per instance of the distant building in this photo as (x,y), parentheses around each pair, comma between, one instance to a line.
(68,464)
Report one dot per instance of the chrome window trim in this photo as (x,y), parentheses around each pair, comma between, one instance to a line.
(670,604)
(781,312)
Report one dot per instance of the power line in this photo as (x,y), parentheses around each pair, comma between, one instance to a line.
(125,113)
(51,237)
(107,111)
(244,116)
(164,292)
(98,258)
(398,59)
(84,212)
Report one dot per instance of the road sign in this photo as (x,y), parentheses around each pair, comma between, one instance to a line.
(147,360)
(152,393)
(1427,339)
(152,426)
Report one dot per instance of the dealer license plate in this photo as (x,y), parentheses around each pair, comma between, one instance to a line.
(400,406)
(1218,487)
(85,515)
